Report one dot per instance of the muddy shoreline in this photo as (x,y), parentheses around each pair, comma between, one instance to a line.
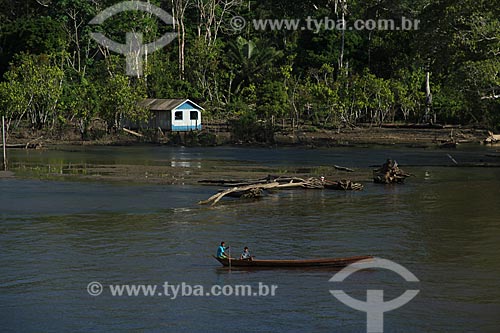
(424,137)
(410,137)
(175,175)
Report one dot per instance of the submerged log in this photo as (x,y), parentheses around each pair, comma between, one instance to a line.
(28,145)
(244,189)
(245,182)
(234,182)
(258,189)
(448,145)
(341,168)
(344,185)
(389,173)
(253,193)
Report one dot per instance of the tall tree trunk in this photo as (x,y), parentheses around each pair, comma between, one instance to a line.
(343,10)
(179,10)
(428,97)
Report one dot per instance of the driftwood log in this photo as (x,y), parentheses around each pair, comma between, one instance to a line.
(492,138)
(341,168)
(28,145)
(389,173)
(126,130)
(244,190)
(344,185)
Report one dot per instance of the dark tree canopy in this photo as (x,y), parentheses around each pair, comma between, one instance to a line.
(53,73)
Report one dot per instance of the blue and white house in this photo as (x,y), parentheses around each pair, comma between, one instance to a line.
(176,115)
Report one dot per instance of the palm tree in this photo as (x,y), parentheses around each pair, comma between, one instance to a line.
(249,59)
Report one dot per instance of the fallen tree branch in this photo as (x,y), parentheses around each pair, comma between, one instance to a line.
(225,182)
(490,97)
(139,135)
(341,168)
(452,159)
(240,182)
(492,138)
(216,197)
(257,189)
(344,185)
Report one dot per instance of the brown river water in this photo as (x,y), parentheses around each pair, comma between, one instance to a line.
(58,236)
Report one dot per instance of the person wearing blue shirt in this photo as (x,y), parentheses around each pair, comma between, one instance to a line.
(221,251)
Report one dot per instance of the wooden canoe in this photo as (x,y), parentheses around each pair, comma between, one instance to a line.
(270,263)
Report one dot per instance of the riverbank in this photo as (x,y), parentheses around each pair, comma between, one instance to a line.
(191,171)
(6,174)
(406,135)
(365,135)
(175,165)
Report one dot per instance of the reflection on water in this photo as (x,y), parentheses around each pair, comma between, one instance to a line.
(158,155)
(57,237)
(185,164)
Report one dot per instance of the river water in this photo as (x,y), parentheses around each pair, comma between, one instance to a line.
(58,236)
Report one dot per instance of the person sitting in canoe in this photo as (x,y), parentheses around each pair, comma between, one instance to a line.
(246,254)
(221,251)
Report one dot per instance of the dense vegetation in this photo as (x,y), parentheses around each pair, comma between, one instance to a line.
(54,75)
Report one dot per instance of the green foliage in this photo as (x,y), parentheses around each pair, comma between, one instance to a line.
(12,101)
(54,73)
(81,104)
(408,93)
(37,81)
(272,100)
(120,101)
(250,62)
(247,128)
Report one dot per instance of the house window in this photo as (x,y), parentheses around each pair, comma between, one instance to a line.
(178,115)
(194,115)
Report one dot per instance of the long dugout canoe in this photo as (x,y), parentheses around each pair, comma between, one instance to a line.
(270,263)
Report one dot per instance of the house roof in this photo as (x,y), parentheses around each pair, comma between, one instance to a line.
(155,104)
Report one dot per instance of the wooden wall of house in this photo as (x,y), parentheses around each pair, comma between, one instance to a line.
(161,119)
